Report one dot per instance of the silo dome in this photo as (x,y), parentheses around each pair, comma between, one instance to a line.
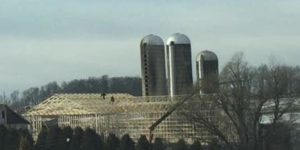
(207,56)
(178,38)
(152,40)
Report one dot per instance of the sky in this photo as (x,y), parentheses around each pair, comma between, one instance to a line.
(60,40)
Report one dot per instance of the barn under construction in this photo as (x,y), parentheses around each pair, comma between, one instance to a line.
(157,112)
(116,113)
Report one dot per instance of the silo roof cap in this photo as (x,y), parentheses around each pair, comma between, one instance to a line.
(178,38)
(207,55)
(152,40)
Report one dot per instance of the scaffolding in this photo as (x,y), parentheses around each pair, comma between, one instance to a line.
(116,113)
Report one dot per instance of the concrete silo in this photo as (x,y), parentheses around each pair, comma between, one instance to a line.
(179,66)
(207,67)
(153,66)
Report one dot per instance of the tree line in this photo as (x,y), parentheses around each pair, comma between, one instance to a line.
(13,139)
(105,84)
(66,138)
(252,105)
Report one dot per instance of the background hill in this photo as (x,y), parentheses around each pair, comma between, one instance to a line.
(105,84)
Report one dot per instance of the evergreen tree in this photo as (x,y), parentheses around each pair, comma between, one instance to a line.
(25,143)
(64,138)
(11,140)
(91,140)
(158,144)
(196,146)
(126,143)
(213,145)
(52,138)
(112,142)
(41,140)
(26,139)
(99,141)
(181,145)
(143,143)
(3,132)
(76,139)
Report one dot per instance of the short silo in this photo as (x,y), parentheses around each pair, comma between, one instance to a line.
(207,67)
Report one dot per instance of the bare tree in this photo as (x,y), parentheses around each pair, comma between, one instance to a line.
(234,114)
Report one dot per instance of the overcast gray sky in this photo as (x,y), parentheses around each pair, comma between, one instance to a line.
(61,40)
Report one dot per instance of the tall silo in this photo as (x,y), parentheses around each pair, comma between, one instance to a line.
(153,66)
(207,67)
(179,66)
